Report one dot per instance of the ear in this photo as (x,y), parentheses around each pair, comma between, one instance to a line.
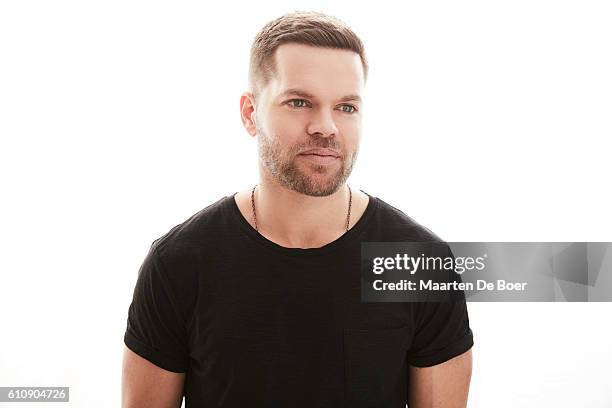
(247,112)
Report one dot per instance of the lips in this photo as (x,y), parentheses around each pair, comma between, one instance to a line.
(320,157)
(321,152)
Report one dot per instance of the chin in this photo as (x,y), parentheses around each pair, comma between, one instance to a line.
(318,188)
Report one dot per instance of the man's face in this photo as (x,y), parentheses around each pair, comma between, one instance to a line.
(308,132)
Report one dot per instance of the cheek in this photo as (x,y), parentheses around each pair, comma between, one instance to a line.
(351,135)
(287,130)
(349,124)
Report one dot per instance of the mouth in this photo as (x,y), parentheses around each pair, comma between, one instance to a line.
(321,152)
(322,159)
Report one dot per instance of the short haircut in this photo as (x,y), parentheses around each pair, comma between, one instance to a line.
(302,27)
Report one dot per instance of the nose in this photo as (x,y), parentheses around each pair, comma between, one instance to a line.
(323,124)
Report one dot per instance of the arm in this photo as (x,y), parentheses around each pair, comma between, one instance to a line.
(444,385)
(144,385)
(156,352)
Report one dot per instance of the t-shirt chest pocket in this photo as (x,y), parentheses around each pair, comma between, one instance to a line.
(375,366)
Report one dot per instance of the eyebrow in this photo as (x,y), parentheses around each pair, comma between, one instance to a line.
(304,94)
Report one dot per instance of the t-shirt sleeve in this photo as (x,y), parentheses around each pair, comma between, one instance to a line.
(155,326)
(442,329)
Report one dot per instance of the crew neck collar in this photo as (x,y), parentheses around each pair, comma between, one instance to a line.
(349,236)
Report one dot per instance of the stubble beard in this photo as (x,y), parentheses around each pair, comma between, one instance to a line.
(288,173)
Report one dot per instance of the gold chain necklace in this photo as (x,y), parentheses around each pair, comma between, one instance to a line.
(348,215)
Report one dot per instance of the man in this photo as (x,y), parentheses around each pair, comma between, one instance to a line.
(255,300)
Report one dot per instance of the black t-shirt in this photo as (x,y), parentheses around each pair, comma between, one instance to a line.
(252,323)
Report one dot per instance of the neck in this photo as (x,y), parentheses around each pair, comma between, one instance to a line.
(296,220)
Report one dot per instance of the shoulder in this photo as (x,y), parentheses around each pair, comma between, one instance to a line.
(397,225)
(172,269)
(194,233)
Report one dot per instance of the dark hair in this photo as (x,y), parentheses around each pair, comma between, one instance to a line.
(302,27)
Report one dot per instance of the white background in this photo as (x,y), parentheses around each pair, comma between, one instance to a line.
(484,121)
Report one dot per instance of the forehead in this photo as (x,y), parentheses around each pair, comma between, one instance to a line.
(321,71)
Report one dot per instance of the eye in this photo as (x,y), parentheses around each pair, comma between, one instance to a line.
(352,110)
(297,100)
(303,103)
